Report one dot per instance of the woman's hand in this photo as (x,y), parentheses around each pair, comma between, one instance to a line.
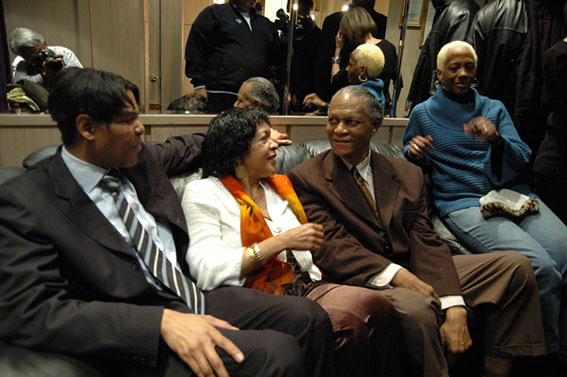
(305,237)
(339,42)
(418,146)
(482,128)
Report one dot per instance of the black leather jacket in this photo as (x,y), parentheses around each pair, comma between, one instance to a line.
(451,23)
(497,34)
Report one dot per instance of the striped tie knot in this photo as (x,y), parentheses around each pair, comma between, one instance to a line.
(111,181)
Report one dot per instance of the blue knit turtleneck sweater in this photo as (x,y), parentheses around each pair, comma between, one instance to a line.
(465,169)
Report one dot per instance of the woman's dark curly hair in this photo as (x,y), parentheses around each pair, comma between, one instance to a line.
(228,140)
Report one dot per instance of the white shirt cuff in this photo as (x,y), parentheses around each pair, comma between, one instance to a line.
(383,279)
(449,301)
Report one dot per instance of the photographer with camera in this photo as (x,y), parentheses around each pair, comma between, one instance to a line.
(35,61)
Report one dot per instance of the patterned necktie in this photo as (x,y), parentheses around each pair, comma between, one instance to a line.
(360,182)
(156,262)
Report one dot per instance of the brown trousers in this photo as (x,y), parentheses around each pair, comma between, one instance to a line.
(500,288)
(366,328)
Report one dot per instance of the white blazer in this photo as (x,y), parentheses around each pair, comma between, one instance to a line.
(215,245)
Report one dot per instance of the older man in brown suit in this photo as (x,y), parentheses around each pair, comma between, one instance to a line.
(378,235)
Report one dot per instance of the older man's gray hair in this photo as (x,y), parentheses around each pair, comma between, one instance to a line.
(373,107)
(262,90)
(23,37)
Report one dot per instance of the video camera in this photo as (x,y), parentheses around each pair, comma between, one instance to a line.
(282,21)
(49,58)
(303,26)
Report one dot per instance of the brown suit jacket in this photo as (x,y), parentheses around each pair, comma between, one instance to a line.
(355,246)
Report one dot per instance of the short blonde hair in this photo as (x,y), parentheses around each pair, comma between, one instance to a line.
(370,56)
(356,22)
(448,48)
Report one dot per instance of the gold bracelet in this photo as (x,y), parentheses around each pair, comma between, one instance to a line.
(251,256)
(254,255)
(259,257)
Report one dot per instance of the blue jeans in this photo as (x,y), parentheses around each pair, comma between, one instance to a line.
(543,239)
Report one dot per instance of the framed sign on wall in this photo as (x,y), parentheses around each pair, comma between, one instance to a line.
(417,12)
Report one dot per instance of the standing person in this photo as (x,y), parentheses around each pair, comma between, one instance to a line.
(474,150)
(378,235)
(248,228)
(91,256)
(550,167)
(497,34)
(229,43)
(31,64)
(323,91)
(305,47)
(356,28)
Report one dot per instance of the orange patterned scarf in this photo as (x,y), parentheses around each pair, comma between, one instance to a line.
(275,275)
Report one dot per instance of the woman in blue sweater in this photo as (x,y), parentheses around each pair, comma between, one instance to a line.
(471,146)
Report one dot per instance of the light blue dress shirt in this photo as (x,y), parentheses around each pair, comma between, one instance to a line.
(88,177)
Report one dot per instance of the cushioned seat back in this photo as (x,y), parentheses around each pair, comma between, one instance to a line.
(10,172)
(289,156)
(38,155)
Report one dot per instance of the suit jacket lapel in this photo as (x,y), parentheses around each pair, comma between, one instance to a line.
(385,187)
(80,209)
(342,185)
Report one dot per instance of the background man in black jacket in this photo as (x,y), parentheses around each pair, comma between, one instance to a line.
(227,44)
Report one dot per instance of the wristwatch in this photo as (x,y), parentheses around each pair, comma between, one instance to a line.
(336,59)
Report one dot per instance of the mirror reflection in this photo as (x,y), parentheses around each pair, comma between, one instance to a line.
(163,47)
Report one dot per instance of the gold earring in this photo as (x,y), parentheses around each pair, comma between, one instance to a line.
(362,78)
(240,171)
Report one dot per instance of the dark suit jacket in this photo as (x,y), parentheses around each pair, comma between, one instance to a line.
(355,247)
(70,283)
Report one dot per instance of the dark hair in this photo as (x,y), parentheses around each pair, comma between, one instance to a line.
(101,95)
(228,140)
(367,4)
(190,104)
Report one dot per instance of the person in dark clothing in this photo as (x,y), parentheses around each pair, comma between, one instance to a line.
(356,28)
(227,44)
(451,23)
(497,34)
(550,167)
(331,25)
(305,46)
(545,20)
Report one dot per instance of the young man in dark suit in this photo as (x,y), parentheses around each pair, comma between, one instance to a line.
(378,235)
(96,271)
